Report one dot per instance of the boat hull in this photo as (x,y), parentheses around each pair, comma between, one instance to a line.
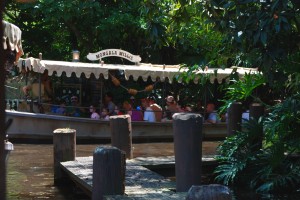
(41,126)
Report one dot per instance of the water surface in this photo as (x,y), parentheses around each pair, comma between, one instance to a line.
(30,172)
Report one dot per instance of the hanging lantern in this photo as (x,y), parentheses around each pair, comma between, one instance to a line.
(149,88)
(115,81)
(75,55)
(132,91)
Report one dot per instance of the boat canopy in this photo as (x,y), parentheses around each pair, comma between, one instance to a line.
(143,70)
(12,37)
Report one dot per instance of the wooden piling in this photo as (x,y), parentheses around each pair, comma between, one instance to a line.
(64,149)
(121,133)
(234,118)
(187,129)
(256,110)
(108,172)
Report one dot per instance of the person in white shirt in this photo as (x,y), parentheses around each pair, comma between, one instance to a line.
(156,108)
(149,115)
(245,116)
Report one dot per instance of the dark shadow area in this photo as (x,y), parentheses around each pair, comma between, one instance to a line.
(49,140)
(70,190)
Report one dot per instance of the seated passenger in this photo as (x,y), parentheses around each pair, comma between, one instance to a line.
(104,114)
(212,114)
(94,114)
(245,116)
(61,110)
(171,108)
(149,115)
(108,101)
(127,108)
(156,108)
(137,114)
(74,109)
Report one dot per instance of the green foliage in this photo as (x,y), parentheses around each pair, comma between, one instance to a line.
(263,34)
(283,124)
(237,151)
(168,32)
(241,90)
(274,168)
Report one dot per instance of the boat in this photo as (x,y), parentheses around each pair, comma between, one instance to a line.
(41,126)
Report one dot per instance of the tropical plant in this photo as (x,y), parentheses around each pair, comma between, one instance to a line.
(274,168)
(241,90)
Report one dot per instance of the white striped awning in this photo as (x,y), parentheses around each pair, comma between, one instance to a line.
(142,70)
(12,37)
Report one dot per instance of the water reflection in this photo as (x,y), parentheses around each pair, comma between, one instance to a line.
(30,172)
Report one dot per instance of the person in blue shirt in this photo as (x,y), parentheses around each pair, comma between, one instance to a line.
(212,114)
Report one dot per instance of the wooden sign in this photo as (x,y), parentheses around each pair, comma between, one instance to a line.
(114,52)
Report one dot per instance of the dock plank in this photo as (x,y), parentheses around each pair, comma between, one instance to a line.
(140,182)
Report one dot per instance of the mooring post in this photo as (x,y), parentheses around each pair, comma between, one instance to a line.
(109,166)
(234,118)
(64,149)
(257,110)
(209,192)
(187,129)
(121,133)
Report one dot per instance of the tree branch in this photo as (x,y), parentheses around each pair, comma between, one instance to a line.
(78,35)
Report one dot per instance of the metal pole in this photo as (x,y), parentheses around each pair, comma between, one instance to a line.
(101,93)
(164,91)
(2,111)
(40,83)
(40,88)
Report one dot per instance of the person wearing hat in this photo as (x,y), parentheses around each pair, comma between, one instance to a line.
(171,108)
(156,108)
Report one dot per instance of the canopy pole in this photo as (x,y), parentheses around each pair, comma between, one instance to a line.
(40,88)
(101,93)
(2,112)
(205,100)
(164,90)
(40,83)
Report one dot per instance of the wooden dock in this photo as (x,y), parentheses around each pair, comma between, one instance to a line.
(140,181)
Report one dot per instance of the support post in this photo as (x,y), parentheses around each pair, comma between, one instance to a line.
(234,118)
(121,133)
(2,111)
(187,129)
(64,149)
(256,111)
(108,172)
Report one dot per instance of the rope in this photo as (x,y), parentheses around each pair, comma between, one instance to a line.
(130,90)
